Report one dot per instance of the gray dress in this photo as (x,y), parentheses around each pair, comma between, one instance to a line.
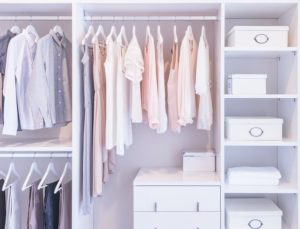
(65,207)
(35,218)
(87,147)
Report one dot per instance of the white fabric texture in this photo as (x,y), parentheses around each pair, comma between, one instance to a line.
(134,68)
(253,181)
(254,172)
(110,66)
(13,208)
(163,119)
(186,79)
(203,84)
(19,63)
(124,126)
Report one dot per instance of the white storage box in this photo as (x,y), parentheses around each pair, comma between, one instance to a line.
(258,36)
(252,213)
(203,161)
(247,84)
(254,128)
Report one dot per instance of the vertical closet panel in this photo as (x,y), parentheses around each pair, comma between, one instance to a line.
(115,209)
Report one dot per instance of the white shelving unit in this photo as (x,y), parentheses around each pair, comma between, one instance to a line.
(282,67)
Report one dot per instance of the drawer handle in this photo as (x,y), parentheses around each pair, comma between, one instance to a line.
(155,206)
(256,132)
(261,38)
(198,207)
(255,224)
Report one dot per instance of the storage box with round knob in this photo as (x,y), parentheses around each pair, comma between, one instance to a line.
(252,213)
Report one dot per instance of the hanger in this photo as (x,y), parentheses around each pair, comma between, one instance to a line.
(122,35)
(59,30)
(175,34)
(12,176)
(100,31)
(113,32)
(133,31)
(30,29)
(50,175)
(33,175)
(148,34)
(88,35)
(15,29)
(159,36)
(65,177)
(2,174)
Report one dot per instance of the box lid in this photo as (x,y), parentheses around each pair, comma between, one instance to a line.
(253,120)
(258,28)
(199,154)
(247,76)
(252,206)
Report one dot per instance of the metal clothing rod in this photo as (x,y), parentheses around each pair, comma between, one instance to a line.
(151,18)
(35,155)
(35,18)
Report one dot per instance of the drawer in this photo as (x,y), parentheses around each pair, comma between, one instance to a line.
(177,220)
(176,198)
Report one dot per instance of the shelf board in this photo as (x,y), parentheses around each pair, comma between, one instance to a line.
(35,145)
(284,142)
(288,188)
(267,96)
(248,52)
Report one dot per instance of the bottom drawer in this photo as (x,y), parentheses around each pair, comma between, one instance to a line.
(247,222)
(177,220)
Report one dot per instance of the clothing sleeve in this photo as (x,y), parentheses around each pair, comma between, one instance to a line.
(9,91)
(38,89)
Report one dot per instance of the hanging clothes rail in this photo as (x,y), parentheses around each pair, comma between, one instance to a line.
(35,155)
(35,18)
(151,18)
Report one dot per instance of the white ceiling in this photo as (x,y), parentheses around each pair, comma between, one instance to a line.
(150,9)
(257,10)
(17,9)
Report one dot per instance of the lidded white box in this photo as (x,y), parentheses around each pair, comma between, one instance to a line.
(239,84)
(255,213)
(203,161)
(258,36)
(253,128)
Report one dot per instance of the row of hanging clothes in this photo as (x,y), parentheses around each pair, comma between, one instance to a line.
(35,79)
(124,84)
(49,197)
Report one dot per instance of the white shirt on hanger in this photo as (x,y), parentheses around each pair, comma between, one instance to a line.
(19,66)
(124,127)
(13,208)
(134,68)
(186,79)
(203,82)
(110,66)
(163,119)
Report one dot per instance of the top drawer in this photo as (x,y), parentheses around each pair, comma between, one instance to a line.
(176,198)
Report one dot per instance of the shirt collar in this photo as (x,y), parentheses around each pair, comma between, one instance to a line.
(10,34)
(60,41)
(32,39)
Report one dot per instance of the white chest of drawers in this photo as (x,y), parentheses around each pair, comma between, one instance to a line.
(171,199)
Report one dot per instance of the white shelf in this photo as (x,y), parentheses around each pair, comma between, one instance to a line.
(284,142)
(267,96)
(288,188)
(175,176)
(236,52)
(35,145)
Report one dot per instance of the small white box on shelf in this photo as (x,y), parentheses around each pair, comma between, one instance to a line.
(239,84)
(203,161)
(245,213)
(254,128)
(258,36)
